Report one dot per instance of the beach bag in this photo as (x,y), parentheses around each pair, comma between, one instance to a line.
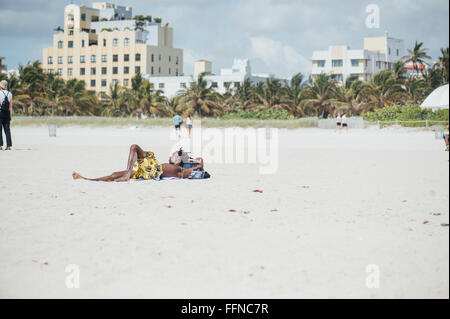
(179,157)
(5,104)
(199,175)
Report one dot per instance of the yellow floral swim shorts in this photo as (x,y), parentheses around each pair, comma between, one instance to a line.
(147,168)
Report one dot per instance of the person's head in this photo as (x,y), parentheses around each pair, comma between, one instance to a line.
(189,115)
(4,85)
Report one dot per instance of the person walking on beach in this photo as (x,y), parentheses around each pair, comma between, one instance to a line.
(339,121)
(177,120)
(6,109)
(189,123)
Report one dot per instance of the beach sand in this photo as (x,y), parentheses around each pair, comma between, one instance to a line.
(338,203)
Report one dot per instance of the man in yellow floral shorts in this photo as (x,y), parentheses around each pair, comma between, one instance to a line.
(143,165)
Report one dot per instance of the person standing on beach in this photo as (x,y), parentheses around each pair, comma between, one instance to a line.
(6,109)
(339,121)
(177,120)
(189,123)
(344,122)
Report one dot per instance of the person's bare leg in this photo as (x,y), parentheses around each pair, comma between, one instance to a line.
(109,178)
(135,153)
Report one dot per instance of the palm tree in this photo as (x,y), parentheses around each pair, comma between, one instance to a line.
(399,70)
(295,93)
(320,97)
(417,56)
(415,90)
(384,90)
(444,64)
(200,99)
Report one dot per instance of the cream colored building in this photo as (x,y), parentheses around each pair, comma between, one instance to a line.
(339,61)
(202,66)
(102,45)
(2,66)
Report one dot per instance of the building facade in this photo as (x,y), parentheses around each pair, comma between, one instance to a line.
(339,61)
(228,79)
(103,45)
(3,68)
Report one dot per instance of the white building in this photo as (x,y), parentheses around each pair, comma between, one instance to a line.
(379,54)
(231,78)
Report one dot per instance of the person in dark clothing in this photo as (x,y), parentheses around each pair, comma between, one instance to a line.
(6,107)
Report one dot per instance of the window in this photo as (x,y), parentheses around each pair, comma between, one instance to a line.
(82,59)
(126,82)
(94,18)
(153,70)
(60,72)
(398,52)
(104,42)
(170,58)
(70,32)
(82,71)
(126,70)
(159,70)
(170,71)
(126,42)
(337,63)
(153,58)
(93,58)
(60,61)
(104,58)
(137,69)
(355,63)
(50,60)
(93,71)
(70,44)
(92,83)
(70,59)
(389,51)
(214,85)
(321,63)
(183,85)
(337,77)
(176,60)
(115,58)
(161,85)
(227,84)
(237,84)
(60,44)
(159,57)
(115,42)
(103,95)
(69,72)
(114,82)
(82,43)
(83,17)
(104,83)
(138,57)
(176,72)
(104,70)
(115,70)
(50,71)
(126,57)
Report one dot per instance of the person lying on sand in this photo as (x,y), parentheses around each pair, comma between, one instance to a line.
(143,165)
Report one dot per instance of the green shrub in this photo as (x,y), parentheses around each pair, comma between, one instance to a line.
(408,112)
(268,114)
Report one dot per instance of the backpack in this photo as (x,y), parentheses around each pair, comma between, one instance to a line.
(5,104)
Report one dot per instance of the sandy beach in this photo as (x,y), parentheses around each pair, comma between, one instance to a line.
(338,203)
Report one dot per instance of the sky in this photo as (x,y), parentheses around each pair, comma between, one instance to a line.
(278,36)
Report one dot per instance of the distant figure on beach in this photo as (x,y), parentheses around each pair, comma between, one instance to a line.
(446,140)
(339,121)
(189,123)
(177,121)
(6,109)
(344,121)
(144,165)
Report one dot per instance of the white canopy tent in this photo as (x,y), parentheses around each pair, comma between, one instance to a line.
(438,99)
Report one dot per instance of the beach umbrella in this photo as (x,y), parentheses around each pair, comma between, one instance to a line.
(438,99)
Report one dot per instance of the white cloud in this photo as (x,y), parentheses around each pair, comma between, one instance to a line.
(279,59)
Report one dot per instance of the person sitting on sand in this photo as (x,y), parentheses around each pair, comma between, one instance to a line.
(143,165)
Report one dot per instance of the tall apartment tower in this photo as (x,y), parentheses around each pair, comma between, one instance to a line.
(104,45)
